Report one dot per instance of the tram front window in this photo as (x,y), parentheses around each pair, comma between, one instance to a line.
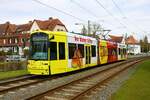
(39,50)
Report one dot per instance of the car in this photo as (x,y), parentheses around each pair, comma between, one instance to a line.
(13,58)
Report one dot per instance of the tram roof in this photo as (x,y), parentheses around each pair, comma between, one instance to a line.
(62,33)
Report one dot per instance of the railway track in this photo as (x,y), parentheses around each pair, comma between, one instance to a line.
(12,84)
(9,80)
(74,86)
(77,90)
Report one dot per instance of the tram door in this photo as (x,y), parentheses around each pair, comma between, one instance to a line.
(87,54)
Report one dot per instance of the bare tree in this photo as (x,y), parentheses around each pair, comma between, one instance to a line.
(95,28)
(84,30)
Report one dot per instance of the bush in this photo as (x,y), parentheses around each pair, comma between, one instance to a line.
(2,58)
(2,53)
(10,66)
(26,52)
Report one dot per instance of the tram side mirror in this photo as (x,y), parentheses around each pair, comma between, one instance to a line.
(52,37)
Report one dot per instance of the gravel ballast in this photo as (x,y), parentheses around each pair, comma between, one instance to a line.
(105,91)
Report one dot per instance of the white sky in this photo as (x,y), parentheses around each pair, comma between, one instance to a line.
(137,14)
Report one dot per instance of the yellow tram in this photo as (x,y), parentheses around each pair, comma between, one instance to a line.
(60,52)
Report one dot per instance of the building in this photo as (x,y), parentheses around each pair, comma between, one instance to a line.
(12,36)
(50,24)
(15,38)
(133,45)
(117,39)
(23,32)
(7,37)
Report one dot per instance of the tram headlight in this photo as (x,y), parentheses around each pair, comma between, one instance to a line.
(45,63)
(28,63)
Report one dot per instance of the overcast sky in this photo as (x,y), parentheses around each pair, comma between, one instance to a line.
(133,16)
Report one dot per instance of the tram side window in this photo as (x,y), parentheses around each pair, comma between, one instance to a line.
(93,51)
(110,51)
(124,51)
(61,50)
(119,51)
(114,51)
(105,51)
(101,51)
(81,48)
(72,48)
(53,51)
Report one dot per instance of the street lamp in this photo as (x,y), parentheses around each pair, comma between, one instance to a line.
(79,24)
(84,30)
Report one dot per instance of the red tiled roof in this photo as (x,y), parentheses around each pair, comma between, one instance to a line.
(3,27)
(49,24)
(116,38)
(11,28)
(23,27)
(131,40)
(55,22)
(7,28)
(42,24)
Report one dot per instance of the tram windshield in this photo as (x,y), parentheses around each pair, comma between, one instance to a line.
(39,47)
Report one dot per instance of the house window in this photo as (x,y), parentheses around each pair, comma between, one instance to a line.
(53,51)
(4,41)
(13,40)
(9,41)
(93,51)
(21,41)
(61,50)
(16,40)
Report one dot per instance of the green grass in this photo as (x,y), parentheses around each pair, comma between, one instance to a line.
(11,74)
(138,86)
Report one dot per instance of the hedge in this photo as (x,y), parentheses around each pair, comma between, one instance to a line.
(11,66)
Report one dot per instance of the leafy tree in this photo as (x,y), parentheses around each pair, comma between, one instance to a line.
(145,46)
(142,45)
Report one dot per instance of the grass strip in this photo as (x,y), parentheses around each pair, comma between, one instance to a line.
(11,74)
(137,87)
